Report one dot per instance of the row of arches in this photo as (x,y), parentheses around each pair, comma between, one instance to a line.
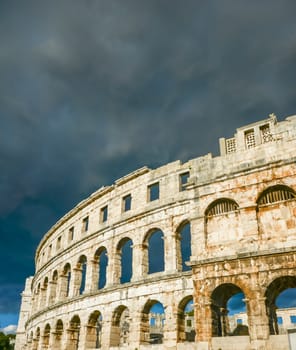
(152,324)
(92,273)
(75,332)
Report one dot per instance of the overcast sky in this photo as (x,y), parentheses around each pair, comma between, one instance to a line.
(92,90)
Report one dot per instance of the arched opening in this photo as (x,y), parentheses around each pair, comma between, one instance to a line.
(101,258)
(94,331)
(222,222)
(228,311)
(57,336)
(124,254)
(155,245)
(53,288)
(275,214)
(38,297)
(186,324)
(120,327)
(81,274)
(66,280)
(183,246)
(281,304)
(152,323)
(73,333)
(30,340)
(44,292)
(274,194)
(36,339)
(46,335)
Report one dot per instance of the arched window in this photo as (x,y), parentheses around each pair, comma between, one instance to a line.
(53,289)
(102,258)
(186,324)
(221,206)
(228,300)
(152,322)
(81,266)
(57,335)
(125,255)
(155,242)
(183,246)
(280,294)
(66,282)
(274,194)
(120,327)
(73,333)
(46,335)
(94,331)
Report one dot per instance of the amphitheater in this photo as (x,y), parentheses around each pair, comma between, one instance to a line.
(194,233)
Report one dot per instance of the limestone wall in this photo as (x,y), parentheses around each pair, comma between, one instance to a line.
(240,209)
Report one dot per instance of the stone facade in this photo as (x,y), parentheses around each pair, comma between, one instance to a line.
(237,211)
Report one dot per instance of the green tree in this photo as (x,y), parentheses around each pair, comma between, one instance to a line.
(4,342)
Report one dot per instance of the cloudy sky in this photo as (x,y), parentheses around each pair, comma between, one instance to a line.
(91,90)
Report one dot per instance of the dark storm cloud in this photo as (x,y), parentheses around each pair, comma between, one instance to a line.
(91,90)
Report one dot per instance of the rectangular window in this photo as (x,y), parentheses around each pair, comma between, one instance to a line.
(59,242)
(153,192)
(183,180)
(279,320)
(293,319)
(189,323)
(266,135)
(85,224)
(126,203)
(49,250)
(71,234)
(104,214)
(250,139)
(239,321)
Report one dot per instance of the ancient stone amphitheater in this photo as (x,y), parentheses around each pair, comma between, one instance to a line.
(200,231)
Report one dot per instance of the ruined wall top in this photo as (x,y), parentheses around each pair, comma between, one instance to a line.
(253,146)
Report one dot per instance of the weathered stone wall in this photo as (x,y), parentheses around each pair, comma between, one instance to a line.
(241,208)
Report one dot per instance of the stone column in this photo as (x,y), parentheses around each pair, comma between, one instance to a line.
(170,327)
(75,282)
(202,314)
(198,238)
(170,252)
(62,287)
(52,291)
(138,265)
(93,281)
(135,330)
(106,333)
(258,321)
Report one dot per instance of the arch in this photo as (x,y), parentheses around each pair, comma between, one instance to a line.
(185,320)
(81,275)
(120,326)
(275,213)
(154,253)
(57,335)
(66,274)
(36,339)
(94,330)
(46,335)
(274,194)
(101,257)
(222,222)
(124,260)
(73,333)
(183,237)
(53,288)
(275,288)
(152,321)
(220,297)
(221,206)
